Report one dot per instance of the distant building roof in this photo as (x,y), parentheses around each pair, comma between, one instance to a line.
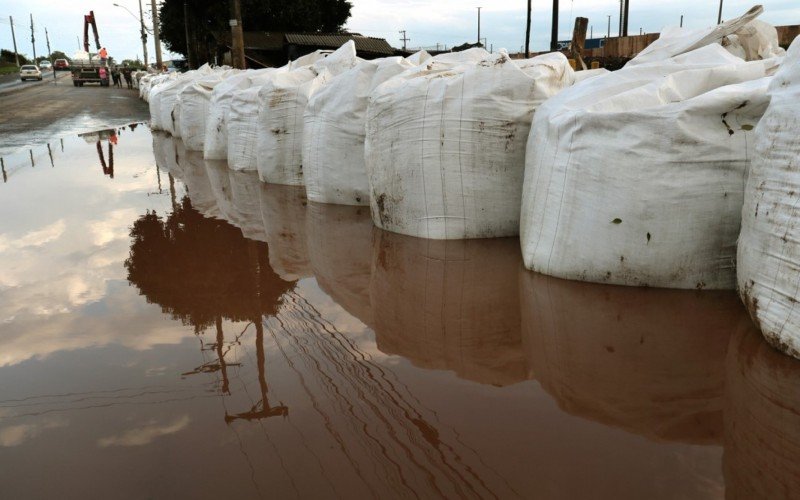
(334,41)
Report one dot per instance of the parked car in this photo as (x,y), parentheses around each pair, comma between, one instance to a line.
(30,72)
(61,65)
(43,65)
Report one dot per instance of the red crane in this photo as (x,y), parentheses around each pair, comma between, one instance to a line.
(87,20)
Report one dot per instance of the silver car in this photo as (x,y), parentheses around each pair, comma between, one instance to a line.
(29,72)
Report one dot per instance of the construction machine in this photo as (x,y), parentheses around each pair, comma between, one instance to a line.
(94,69)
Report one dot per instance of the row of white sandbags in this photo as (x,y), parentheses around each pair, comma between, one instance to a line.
(768,260)
(231,100)
(329,156)
(164,102)
(636,177)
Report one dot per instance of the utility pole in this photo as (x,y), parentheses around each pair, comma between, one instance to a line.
(405,39)
(14,39)
(237,35)
(143,33)
(479,24)
(156,34)
(719,16)
(528,33)
(621,16)
(49,58)
(609,25)
(189,51)
(625,24)
(33,41)
(554,29)
(78,39)
(681,20)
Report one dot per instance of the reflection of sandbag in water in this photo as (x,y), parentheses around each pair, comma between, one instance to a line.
(198,185)
(450,305)
(340,251)
(245,204)
(650,361)
(168,152)
(283,210)
(217,171)
(762,420)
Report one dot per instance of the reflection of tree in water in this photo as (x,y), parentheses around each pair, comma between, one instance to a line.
(200,271)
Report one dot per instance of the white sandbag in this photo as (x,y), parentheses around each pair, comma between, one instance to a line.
(243,124)
(157,86)
(445,144)
(769,244)
(217,123)
(674,40)
(283,101)
(636,177)
(334,130)
(215,143)
(169,107)
(194,103)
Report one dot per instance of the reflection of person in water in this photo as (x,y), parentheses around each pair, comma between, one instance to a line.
(200,271)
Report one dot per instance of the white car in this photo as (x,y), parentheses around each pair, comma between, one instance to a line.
(30,72)
(45,65)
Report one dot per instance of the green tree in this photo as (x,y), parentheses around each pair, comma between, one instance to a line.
(208,16)
(57,54)
(7,56)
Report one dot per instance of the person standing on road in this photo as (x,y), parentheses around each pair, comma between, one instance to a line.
(116,76)
(126,72)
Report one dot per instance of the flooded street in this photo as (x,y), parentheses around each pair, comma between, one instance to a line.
(170,328)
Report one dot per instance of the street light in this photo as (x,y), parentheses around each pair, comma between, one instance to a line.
(143,30)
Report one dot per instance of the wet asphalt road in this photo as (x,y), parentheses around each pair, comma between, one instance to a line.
(36,112)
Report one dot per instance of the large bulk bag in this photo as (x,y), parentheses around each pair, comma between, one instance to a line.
(215,143)
(769,245)
(340,252)
(647,360)
(762,420)
(280,117)
(445,144)
(674,41)
(243,124)
(636,177)
(194,108)
(239,124)
(334,130)
(449,305)
(170,99)
(157,85)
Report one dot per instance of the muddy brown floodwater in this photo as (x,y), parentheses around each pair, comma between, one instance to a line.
(170,328)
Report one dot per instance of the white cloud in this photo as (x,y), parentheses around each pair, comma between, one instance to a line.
(15,435)
(145,434)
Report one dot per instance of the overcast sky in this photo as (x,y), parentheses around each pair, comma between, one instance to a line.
(427,22)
